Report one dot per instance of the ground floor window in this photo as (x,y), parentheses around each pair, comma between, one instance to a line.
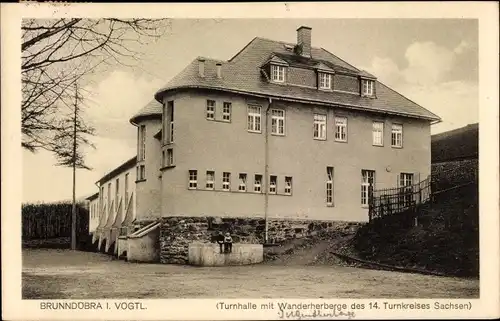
(257,186)
(273,184)
(226,179)
(243,182)
(329,186)
(193,179)
(210,180)
(367,179)
(288,185)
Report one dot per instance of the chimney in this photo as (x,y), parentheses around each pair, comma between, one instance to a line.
(218,68)
(201,67)
(304,41)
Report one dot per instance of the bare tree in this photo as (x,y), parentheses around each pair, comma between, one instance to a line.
(58,53)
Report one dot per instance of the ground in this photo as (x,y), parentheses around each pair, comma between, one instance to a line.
(65,274)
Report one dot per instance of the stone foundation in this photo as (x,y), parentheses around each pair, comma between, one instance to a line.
(177,232)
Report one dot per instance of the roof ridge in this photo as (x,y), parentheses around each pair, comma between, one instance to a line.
(408,99)
(242,49)
(340,58)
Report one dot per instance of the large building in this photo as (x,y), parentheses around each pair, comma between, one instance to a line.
(279,131)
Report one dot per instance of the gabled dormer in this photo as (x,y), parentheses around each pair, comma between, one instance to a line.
(276,69)
(325,76)
(367,86)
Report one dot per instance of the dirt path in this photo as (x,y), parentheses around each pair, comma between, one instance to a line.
(50,274)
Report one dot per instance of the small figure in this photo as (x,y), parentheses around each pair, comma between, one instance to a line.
(220,240)
(228,243)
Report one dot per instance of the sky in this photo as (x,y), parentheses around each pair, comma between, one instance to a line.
(433,62)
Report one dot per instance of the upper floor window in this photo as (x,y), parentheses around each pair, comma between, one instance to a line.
(142,142)
(141,172)
(193,179)
(117,190)
(226,112)
(126,188)
(210,180)
(278,122)
(397,135)
(367,87)
(319,126)
(211,109)
(325,81)
(168,123)
(378,133)
(254,119)
(277,73)
(170,157)
(341,129)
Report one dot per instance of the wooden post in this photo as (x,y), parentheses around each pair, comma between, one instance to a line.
(73,212)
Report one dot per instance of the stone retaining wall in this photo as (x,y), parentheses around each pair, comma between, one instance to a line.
(176,233)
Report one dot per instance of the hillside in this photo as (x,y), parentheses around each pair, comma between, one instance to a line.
(461,143)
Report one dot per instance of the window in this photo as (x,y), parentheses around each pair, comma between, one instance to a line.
(141,172)
(168,123)
(226,181)
(367,178)
(288,185)
(211,109)
(142,143)
(272,184)
(257,185)
(170,157)
(163,159)
(278,122)
(126,188)
(254,119)
(109,196)
(226,112)
(406,182)
(378,133)
(243,182)
(171,119)
(210,180)
(319,126)
(405,179)
(397,135)
(329,186)
(367,87)
(341,129)
(193,179)
(117,189)
(277,73)
(325,81)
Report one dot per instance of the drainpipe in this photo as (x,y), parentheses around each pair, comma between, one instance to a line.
(266,175)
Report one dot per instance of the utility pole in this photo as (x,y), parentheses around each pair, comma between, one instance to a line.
(73,212)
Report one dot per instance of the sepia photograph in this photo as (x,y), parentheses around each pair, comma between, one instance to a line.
(250,149)
(206,158)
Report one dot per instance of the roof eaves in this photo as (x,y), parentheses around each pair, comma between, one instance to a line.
(436,117)
(310,101)
(126,165)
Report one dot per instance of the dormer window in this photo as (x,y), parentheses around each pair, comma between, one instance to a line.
(277,73)
(367,87)
(325,81)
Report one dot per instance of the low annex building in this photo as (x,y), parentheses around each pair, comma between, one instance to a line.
(278,141)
